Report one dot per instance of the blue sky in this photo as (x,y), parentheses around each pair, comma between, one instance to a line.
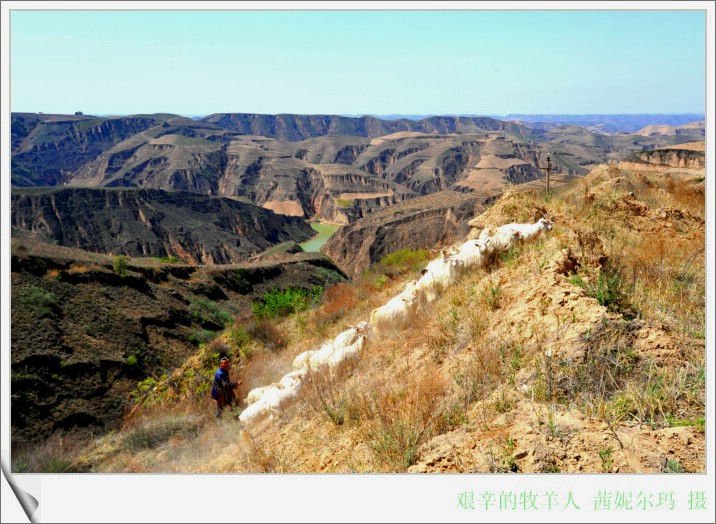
(358,62)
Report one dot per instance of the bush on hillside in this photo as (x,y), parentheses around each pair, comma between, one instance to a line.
(277,303)
(205,312)
(41,302)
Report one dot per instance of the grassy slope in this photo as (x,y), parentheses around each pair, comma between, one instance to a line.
(581,352)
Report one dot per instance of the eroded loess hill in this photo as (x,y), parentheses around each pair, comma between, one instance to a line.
(687,158)
(151,223)
(427,222)
(86,328)
(333,168)
(581,352)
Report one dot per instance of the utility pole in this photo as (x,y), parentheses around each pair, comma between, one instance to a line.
(548,168)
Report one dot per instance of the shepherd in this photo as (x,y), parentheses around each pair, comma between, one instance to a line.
(223,389)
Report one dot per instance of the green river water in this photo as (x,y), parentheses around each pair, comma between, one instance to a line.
(324,232)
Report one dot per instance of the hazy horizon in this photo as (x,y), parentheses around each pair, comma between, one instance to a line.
(388,115)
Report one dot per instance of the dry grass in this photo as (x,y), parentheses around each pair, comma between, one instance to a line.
(459,365)
(657,274)
(58,454)
(661,270)
(338,301)
(398,416)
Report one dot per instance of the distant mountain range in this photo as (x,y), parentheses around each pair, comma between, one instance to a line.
(608,124)
(600,123)
(330,167)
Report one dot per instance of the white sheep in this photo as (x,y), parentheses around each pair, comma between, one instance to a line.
(317,360)
(256,394)
(255,413)
(273,401)
(348,337)
(345,357)
(303,359)
(291,379)
(503,239)
(437,275)
(278,400)
(395,314)
(529,232)
(472,253)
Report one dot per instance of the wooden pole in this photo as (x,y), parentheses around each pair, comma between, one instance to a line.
(548,169)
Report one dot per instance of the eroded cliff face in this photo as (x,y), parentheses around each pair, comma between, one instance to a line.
(47,150)
(422,223)
(666,158)
(153,223)
(159,166)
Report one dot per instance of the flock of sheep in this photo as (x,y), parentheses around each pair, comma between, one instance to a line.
(343,352)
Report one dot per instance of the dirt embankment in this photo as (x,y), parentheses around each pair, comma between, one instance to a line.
(690,157)
(420,223)
(84,334)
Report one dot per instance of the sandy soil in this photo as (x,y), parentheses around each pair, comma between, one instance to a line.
(285,207)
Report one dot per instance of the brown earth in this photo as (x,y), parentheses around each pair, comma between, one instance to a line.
(83,335)
(521,366)
(549,315)
(687,158)
(420,223)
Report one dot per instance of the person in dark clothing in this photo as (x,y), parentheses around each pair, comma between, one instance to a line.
(223,389)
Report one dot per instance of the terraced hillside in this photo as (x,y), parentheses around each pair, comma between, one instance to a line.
(334,168)
(48,149)
(686,158)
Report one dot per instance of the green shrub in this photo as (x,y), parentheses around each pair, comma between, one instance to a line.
(240,341)
(673,466)
(380,281)
(698,423)
(277,303)
(605,455)
(120,264)
(202,336)
(609,289)
(41,302)
(405,259)
(205,311)
(171,260)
